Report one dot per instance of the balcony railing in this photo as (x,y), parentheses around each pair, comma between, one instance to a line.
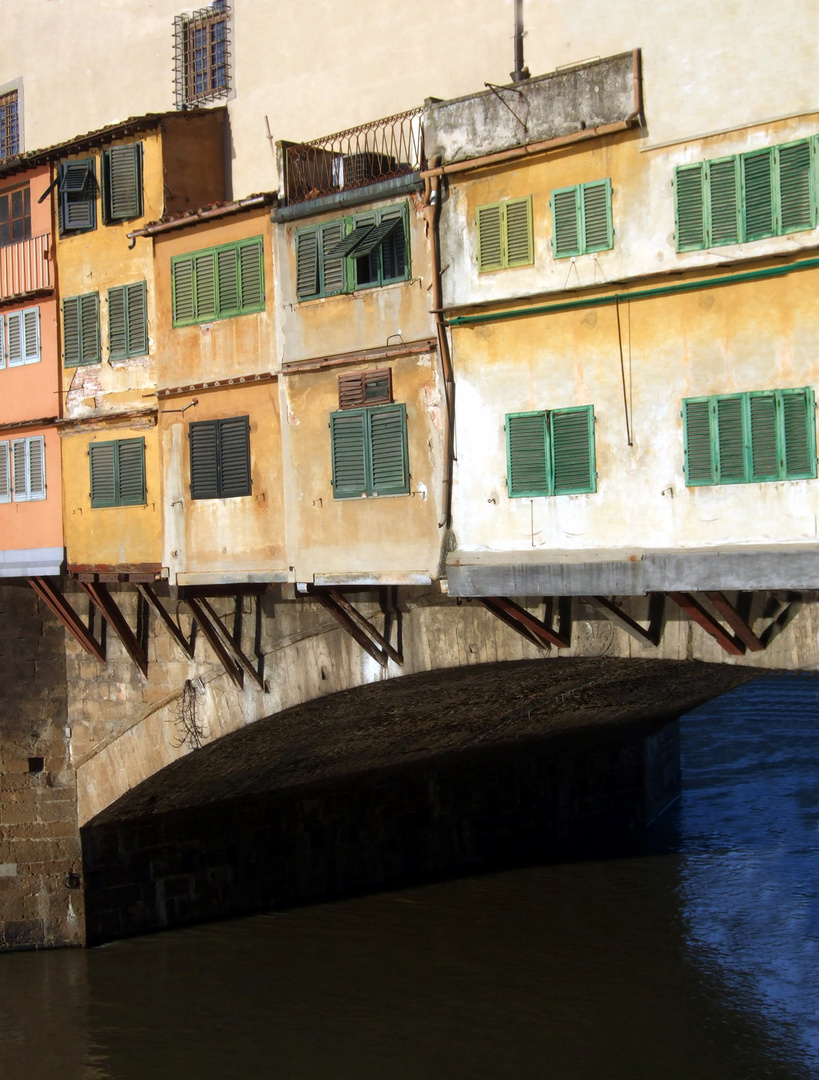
(379,150)
(25,267)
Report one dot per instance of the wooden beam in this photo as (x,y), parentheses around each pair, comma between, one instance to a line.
(517,617)
(697,613)
(366,626)
(59,606)
(620,618)
(735,620)
(107,605)
(232,644)
(340,613)
(214,639)
(175,632)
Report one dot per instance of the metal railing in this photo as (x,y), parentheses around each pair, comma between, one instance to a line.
(25,267)
(378,150)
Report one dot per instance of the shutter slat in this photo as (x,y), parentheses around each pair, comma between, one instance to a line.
(722,187)
(566,223)
(527,454)
(795,187)
(690,207)
(764,456)
(490,242)
(596,216)
(730,439)
(698,460)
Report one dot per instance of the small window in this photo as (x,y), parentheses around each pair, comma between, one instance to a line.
(365,388)
(750,437)
(202,55)
(20,338)
(117,473)
(369,452)
(122,182)
(581,219)
(78,196)
(15,216)
(220,458)
(505,234)
(218,283)
(28,468)
(551,453)
(81,330)
(9,125)
(127,321)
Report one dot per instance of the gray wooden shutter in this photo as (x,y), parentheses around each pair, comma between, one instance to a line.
(19,456)
(90,328)
(102,465)
(307,275)
(131,472)
(796,196)
(566,222)
(490,237)
(764,450)
(234,457)
(723,190)
(519,247)
(348,450)
(77,196)
(699,468)
(388,449)
(690,207)
(527,456)
(204,454)
(758,193)
(137,310)
(31,335)
(730,439)
(16,356)
(71,332)
(798,434)
(184,305)
(251,267)
(596,207)
(227,275)
(572,438)
(36,467)
(5,473)
(117,324)
(122,177)
(333,271)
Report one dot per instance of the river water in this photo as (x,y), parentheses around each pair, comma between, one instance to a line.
(693,956)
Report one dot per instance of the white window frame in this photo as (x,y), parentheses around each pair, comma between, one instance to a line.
(27,332)
(23,454)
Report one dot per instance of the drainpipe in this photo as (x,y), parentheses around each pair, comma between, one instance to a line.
(521,73)
(432,201)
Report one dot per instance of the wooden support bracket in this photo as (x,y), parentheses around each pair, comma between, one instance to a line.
(57,603)
(737,621)
(536,630)
(357,626)
(184,644)
(234,661)
(107,605)
(646,636)
(696,612)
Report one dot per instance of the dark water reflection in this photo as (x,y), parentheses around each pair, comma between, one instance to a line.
(692,958)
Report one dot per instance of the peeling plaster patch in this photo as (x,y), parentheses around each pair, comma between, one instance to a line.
(425,360)
(292,418)
(8,869)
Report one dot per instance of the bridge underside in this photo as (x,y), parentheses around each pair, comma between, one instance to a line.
(418,776)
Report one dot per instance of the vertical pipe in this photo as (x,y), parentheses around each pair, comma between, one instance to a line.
(521,73)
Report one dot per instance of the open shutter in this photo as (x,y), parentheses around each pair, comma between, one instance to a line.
(519,232)
(122,178)
(730,439)
(31,335)
(77,196)
(388,450)
(184,307)
(757,183)
(490,237)
(527,457)
(333,270)
(596,206)
(90,328)
(394,245)
(102,464)
(14,322)
(690,207)
(136,308)
(251,267)
(234,457)
(19,457)
(572,436)
(71,331)
(699,467)
(764,455)
(796,199)
(36,467)
(227,276)
(204,447)
(349,456)
(798,459)
(566,222)
(205,285)
(5,473)
(307,275)
(131,472)
(2,342)
(723,191)
(117,324)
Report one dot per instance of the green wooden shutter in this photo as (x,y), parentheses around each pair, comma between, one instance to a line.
(71,331)
(117,324)
(572,439)
(763,429)
(31,335)
(137,309)
(234,457)
(690,207)
(307,274)
(131,472)
(77,196)
(102,458)
(227,275)
(36,467)
(798,425)
(566,231)
(90,328)
(797,202)
(204,454)
(5,473)
(122,182)
(348,434)
(699,460)
(723,192)
(204,268)
(490,237)
(388,449)
(184,304)
(730,439)
(758,193)
(333,270)
(595,202)
(251,267)
(394,247)
(519,245)
(14,321)
(528,464)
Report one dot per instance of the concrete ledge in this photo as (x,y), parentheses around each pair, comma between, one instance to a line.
(32,562)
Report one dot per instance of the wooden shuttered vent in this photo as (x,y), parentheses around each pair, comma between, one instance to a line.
(218,283)
(81,330)
(122,182)
(117,471)
(581,219)
(365,388)
(220,458)
(551,453)
(751,437)
(750,196)
(369,451)
(127,321)
(505,234)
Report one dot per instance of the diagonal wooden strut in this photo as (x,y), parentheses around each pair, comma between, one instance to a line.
(650,636)
(357,626)
(697,613)
(59,606)
(735,620)
(525,624)
(234,661)
(107,605)
(176,633)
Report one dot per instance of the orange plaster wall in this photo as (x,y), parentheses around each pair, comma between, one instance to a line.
(37,524)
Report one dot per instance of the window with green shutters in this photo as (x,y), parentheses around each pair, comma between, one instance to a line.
(751,196)
(581,219)
(369,451)
(122,182)
(20,338)
(77,185)
(117,473)
(81,330)
(750,437)
(127,321)
(218,283)
(220,458)
(505,234)
(551,452)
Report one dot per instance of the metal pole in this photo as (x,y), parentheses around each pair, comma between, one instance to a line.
(521,73)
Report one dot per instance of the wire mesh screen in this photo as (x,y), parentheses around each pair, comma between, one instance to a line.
(9,125)
(202,55)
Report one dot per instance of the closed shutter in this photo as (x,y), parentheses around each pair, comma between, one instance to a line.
(117,324)
(527,464)
(730,439)
(690,207)
(566,234)
(77,196)
(764,450)
(234,457)
(251,266)
(137,310)
(204,265)
(572,436)
(333,271)
(184,305)
(723,190)
(697,438)
(490,241)
(5,473)
(14,322)
(90,328)
(2,342)
(131,472)
(388,450)
(519,232)
(307,275)
(122,179)
(799,434)
(349,455)
(796,197)
(227,272)
(19,457)
(71,331)
(36,467)
(127,321)
(204,453)
(365,388)
(102,459)
(596,206)
(31,335)
(757,181)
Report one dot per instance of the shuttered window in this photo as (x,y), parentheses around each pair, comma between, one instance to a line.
(750,437)
(20,338)
(581,219)
(127,321)
(28,468)
(220,458)
(81,330)
(369,451)
(551,453)
(505,234)
(78,196)
(763,193)
(218,283)
(361,388)
(122,182)
(117,473)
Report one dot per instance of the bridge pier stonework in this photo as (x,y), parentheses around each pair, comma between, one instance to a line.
(284,747)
